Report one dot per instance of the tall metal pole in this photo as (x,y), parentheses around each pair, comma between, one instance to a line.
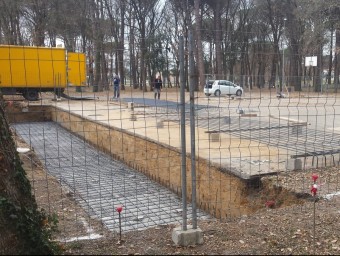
(320,69)
(192,131)
(183,144)
(283,56)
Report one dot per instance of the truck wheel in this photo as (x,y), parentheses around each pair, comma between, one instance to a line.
(31,95)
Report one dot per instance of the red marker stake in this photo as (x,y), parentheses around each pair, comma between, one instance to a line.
(119,209)
(314,190)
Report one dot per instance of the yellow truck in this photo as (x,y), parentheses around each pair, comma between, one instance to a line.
(30,70)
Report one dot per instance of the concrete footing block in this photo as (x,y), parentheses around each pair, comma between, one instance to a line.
(249,115)
(187,237)
(293,164)
(296,130)
(320,161)
(130,105)
(133,117)
(227,119)
(214,137)
(160,124)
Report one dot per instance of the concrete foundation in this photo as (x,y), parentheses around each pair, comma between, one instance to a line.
(219,192)
(130,105)
(296,130)
(214,137)
(133,117)
(239,111)
(227,119)
(321,161)
(248,115)
(294,164)
(187,237)
(160,124)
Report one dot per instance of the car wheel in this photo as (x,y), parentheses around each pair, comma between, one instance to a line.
(207,94)
(238,93)
(218,93)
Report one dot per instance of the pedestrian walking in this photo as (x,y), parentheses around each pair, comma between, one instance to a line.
(116,89)
(158,87)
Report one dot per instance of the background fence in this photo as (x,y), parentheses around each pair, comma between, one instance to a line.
(230,155)
(129,152)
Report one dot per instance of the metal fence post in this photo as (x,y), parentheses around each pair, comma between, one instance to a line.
(183,144)
(192,131)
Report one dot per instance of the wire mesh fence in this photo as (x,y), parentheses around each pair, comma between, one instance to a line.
(127,152)
(104,152)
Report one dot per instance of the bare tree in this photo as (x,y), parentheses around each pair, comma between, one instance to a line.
(217,9)
(314,41)
(245,31)
(100,71)
(173,24)
(201,72)
(121,43)
(294,31)
(272,13)
(132,49)
(10,14)
(236,33)
(36,13)
(145,12)
(115,13)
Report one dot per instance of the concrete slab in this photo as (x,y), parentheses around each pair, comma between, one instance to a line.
(269,138)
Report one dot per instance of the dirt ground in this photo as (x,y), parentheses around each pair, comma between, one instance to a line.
(288,229)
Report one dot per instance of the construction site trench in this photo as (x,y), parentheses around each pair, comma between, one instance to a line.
(105,166)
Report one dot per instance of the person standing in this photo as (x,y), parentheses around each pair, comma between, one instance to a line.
(158,87)
(116,81)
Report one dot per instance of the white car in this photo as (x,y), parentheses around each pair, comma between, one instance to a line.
(223,87)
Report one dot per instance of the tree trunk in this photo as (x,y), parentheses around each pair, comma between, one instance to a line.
(121,45)
(142,84)
(275,61)
(132,53)
(198,33)
(243,66)
(260,81)
(336,60)
(318,68)
(330,61)
(218,40)
(295,71)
